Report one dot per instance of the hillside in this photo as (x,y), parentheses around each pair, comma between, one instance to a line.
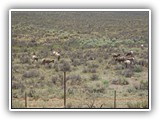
(86,42)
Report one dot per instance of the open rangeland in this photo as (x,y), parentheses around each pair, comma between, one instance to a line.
(101,53)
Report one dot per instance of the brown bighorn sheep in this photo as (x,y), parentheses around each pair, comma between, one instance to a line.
(131,59)
(47,61)
(34,57)
(127,62)
(120,59)
(115,55)
(129,53)
(142,46)
(57,55)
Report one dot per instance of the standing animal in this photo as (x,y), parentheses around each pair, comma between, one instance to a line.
(34,57)
(142,46)
(131,59)
(57,55)
(115,55)
(129,53)
(120,59)
(47,61)
(127,63)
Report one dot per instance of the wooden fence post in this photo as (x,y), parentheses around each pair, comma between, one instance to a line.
(115,99)
(64,81)
(25,99)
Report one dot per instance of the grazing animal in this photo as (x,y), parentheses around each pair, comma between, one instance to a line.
(34,57)
(127,62)
(57,55)
(120,59)
(47,61)
(129,53)
(131,59)
(142,46)
(115,55)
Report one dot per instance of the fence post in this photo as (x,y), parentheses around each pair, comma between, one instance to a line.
(64,81)
(25,99)
(114,98)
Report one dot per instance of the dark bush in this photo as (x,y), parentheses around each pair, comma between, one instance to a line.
(97,87)
(75,79)
(31,73)
(123,82)
(100,61)
(32,43)
(31,93)
(119,67)
(94,77)
(76,62)
(54,79)
(93,66)
(107,67)
(106,56)
(48,66)
(85,70)
(65,66)
(25,59)
(127,73)
(43,53)
(115,81)
(17,85)
(22,43)
(119,81)
(92,70)
(99,90)
(112,62)
(56,66)
(142,62)
(42,77)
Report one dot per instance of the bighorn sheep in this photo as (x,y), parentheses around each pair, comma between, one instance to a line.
(142,46)
(131,59)
(115,55)
(129,53)
(56,54)
(127,62)
(34,57)
(47,61)
(120,59)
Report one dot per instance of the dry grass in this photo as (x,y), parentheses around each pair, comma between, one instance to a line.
(86,57)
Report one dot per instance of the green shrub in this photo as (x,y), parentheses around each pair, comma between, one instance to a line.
(144,85)
(106,83)
(138,68)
